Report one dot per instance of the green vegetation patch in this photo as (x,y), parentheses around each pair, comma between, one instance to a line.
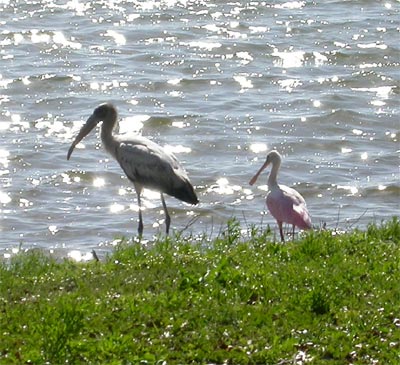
(324,299)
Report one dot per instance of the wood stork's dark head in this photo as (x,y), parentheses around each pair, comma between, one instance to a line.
(105,113)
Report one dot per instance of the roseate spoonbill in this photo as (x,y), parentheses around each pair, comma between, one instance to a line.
(145,163)
(285,204)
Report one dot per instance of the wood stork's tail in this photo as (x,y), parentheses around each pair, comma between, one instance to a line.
(184,192)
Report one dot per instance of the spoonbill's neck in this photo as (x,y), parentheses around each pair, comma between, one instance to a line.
(272,179)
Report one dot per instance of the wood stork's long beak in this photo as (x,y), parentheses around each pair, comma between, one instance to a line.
(85,130)
(255,177)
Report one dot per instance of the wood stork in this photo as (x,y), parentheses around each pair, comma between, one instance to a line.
(145,163)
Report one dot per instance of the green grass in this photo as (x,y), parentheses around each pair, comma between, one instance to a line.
(331,299)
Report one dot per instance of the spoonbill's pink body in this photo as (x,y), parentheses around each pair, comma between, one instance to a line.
(285,204)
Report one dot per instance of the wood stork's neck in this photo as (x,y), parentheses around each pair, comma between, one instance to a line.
(272,179)
(107,128)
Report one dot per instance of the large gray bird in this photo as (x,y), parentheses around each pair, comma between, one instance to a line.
(145,163)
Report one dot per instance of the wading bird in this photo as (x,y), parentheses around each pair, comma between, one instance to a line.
(285,204)
(145,163)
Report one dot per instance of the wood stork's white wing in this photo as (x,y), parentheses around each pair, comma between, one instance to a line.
(147,164)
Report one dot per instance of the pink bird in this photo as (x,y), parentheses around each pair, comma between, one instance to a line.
(285,204)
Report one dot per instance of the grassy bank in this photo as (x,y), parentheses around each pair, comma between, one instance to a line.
(326,299)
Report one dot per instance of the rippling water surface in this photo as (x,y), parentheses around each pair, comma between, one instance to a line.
(219,84)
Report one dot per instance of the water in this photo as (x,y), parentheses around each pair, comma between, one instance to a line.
(219,83)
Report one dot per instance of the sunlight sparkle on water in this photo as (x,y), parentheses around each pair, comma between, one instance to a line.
(108,85)
(132,17)
(243,81)
(391,135)
(4,157)
(150,195)
(208,46)
(66,178)
(25,80)
(53,229)
(118,38)
(134,207)
(245,56)
(39,37)
(180,124)
(377,103)
(24,203)
(177,149)
(94,85)
(258,147)
(98,182)
(351,189)
(53,127)
(288,59)
(382,92)
(18,38)
(60,39)
(4,198)
(175,94)
(340,44)
(289,84)
(174,81)
(223,187)
(212,28)
(357,132)
(79,7)
(133,102)
(372,45)
(263,187)
(116,208)
(4,99)
(122,191)
(261,29)
(346,150)
(5,82)
(320,58)
(35,182)
(291,5)
(133,124)
(15,118)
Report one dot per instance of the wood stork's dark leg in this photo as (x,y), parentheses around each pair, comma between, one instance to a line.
(140,227)
(281,231)
(167,217)
(293,234)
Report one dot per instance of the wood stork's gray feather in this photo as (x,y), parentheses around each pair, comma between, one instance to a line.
(144,162)
(147,164)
